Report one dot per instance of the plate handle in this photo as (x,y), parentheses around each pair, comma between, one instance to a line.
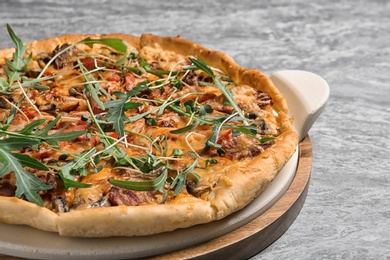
(306,94)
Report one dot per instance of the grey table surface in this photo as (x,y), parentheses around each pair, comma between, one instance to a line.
(347,211)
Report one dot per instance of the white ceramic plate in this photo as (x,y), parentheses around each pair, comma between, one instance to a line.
(306,95)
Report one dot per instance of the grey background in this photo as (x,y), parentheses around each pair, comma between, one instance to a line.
(347,211)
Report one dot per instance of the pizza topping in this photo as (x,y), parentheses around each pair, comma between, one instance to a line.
(62,54)
(59,205)
(120,196)
(7,190)
(163,117)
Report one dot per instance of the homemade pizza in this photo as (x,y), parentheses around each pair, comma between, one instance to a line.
(118,135)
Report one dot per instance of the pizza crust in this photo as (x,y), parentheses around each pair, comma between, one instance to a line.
(20,212)
(186,211)
(239,183)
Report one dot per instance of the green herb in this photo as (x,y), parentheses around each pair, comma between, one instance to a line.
(177,153)
(18,65)
(114,43)
(26,182)
(92,86)
(31,132)
(200,64)
(160,109)
(180,180)
(185,129)
(212,141)
(155,184)
(69,183)
(117,108)
(77,166)
(144,64)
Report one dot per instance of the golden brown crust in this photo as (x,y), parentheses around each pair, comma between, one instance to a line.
(239,183)
(186,211)
(20,212)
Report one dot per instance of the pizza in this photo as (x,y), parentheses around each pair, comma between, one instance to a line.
(117,135)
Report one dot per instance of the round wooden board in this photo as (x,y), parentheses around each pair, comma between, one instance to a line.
(255,236)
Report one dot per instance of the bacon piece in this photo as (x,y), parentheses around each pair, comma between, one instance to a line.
(191,79)
(61,60)
(263,99)
(118,196)
(240,147)
(4,103)
(7,189)
(129,81)
(68,104)
(168,119)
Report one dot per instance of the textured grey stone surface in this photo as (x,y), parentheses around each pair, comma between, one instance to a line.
(347,210)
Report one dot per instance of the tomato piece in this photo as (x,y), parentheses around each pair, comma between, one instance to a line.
(46,153)
(113,135)
(94,140)
(129,81)
(88,63)
(226,136)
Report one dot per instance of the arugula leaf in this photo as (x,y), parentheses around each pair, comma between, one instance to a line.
(28,161)
(155,184)
(243,129)
(200,64)
(17,66)
(68,183)
(115,43)
(92,86)
(180,180)
(43,135)
(177,153)
(4,86)
(266,139)
(144,64)
(185,129)
(17,143)
(212,141)
(27,130)
(117,108)
(27,183)
(78,165)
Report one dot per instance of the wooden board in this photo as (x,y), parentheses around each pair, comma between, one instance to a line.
(255,236)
